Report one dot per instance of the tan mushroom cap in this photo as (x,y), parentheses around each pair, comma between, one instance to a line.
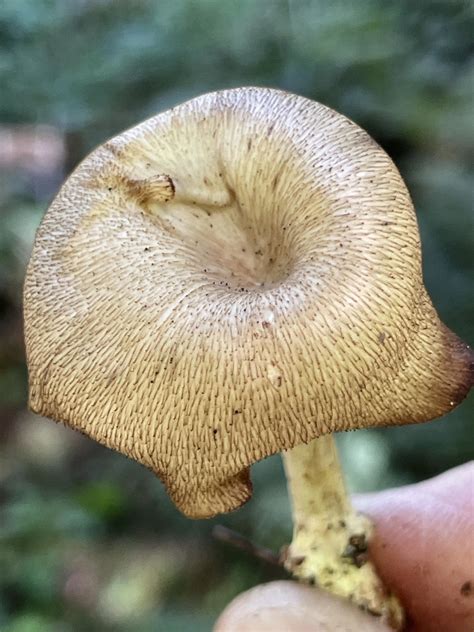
(228,279)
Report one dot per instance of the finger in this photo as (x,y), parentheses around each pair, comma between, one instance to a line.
(286,606)
(424,548)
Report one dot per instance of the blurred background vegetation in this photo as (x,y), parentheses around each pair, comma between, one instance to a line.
(88,539)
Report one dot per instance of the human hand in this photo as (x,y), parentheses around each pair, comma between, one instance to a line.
(424,550)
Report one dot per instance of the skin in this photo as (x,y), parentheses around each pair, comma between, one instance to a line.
(424,549)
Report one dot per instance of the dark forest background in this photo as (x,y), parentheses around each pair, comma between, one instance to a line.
(88,539)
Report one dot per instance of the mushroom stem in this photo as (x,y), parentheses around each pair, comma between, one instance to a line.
(330,539)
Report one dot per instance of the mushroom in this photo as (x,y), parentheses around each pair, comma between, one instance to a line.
(236,277)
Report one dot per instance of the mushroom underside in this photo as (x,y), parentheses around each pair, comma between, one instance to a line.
(228,280)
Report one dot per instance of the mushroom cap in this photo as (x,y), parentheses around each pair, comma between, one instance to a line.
(228,279)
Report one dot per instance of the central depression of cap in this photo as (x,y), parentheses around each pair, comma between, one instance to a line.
(231,278)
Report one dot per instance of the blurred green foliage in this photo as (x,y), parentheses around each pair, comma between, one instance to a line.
(88,539)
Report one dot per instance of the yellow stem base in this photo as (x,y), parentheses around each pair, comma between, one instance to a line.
(330,540)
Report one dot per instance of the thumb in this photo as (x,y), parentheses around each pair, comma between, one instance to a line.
(286,606)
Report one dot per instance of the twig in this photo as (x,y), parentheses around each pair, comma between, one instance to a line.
(244,544)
